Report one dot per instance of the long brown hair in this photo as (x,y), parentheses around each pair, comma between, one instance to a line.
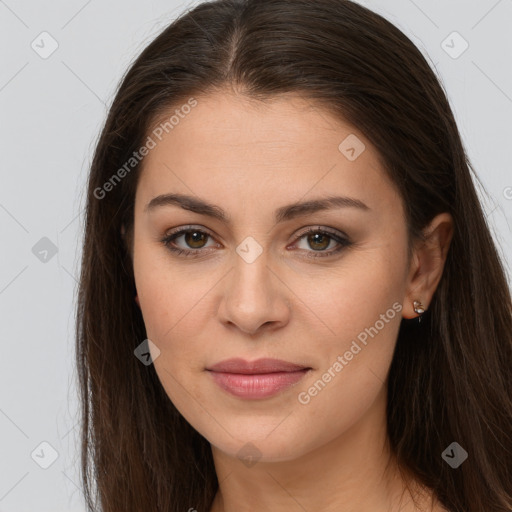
(450,378)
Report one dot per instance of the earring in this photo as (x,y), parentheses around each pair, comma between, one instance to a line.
(419,308)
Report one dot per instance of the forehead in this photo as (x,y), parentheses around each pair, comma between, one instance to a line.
(239,123)
(286,146)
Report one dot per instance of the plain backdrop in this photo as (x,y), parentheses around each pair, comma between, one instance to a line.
(52,107)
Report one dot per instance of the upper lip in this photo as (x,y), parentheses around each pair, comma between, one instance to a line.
(265,365)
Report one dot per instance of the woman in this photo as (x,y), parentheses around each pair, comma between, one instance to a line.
(290,298)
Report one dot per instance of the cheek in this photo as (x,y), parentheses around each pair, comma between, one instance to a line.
(174,317)
(352,296)
(169,294)
(176,313)
(360,306)
(351,382)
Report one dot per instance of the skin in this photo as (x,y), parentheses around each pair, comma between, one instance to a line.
(251,158)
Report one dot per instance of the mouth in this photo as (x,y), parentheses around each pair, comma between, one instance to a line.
(258,379)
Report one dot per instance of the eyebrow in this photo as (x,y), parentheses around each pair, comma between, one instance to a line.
(284,213)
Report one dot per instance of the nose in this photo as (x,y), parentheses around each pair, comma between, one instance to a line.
(255,297)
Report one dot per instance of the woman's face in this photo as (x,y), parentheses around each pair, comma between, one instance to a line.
(257,285)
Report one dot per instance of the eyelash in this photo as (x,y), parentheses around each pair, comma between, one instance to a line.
(194,253)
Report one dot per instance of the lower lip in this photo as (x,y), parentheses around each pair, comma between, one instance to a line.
(261,385)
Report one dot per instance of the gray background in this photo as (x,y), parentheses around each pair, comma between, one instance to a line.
(51,112)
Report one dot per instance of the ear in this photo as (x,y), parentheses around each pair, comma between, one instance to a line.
(427,263)
(123,230)
(137,300)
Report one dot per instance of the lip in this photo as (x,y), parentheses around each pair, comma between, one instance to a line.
(264,365)
(257,379)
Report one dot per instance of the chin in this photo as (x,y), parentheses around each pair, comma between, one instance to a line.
(260,446)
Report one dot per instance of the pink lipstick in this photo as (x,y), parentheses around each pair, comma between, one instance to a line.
(257,379)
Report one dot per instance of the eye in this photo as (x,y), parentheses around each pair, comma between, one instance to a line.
(193,237)
(320,239)
(317,239)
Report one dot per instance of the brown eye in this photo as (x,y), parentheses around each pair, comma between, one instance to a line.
(195,239)
(193,242)
(319,241)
